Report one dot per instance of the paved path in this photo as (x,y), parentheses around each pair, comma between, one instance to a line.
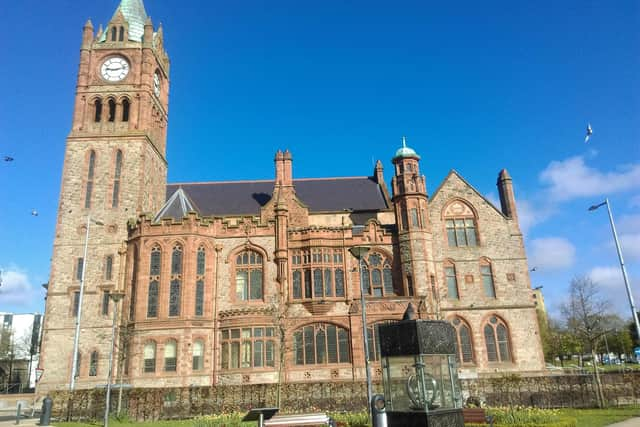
(631,422)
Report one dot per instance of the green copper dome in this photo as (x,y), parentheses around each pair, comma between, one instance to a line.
(405,151)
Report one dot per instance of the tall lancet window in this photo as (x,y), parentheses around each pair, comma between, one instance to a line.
(176,279)
(116,180)
(200,264)
(154,281)
(90,174)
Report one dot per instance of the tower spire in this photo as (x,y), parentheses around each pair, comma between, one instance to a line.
(135,15)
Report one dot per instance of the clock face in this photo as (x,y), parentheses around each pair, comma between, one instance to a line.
(156,84)
(114,69)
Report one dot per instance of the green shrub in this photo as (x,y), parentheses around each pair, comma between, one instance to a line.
(351,419)
(520,414)
(222,420)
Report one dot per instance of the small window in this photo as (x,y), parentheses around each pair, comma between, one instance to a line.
(79,268)
(76,303)
(121,34)
(108,267)
(414,217)
(114,33)
(170,356)
(112,110)
(452,282)
(249,276)
(199,309)
(97,111)
(105,303)
(93,364)
(487,280)
(149,357)
(198,355)
(125,110)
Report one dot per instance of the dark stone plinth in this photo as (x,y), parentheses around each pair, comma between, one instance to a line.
(440,418)
(413,337)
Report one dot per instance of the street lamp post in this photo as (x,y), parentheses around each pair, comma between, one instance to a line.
(76,338)
(115,297)
(360,252)
(634,312)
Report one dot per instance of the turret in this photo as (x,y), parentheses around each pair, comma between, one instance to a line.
(507,198)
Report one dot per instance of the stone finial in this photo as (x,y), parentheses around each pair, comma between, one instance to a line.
(410,312)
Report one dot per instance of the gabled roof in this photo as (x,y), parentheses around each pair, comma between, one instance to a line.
(177,206)
(453,172)
(247,197)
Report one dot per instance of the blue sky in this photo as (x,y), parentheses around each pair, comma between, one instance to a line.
(475,86)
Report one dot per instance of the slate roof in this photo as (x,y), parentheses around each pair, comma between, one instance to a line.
(247,197)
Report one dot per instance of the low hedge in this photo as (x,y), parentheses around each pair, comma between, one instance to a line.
(563,422)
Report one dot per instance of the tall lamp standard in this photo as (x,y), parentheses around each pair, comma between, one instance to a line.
(76,338)
(115,297)
(634,312)
(360,252)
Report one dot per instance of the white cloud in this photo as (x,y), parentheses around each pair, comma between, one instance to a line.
(612,287)
(551,253)
(629,229)
(572,178)
(16,289)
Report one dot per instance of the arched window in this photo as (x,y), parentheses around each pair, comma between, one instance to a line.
(376,275)
(200,269)
(487,279)
(149,354)
(465,344)
(496,336)
(176,281)
(321,343)
(108,267)
(248,347)
(460,223)
(154,281)
(115,198)
(170,356)
(114,32)
(112,110)
(248,276)
(125,110)
(121,35)
(373,339)
(93,364)
(198,355)
(90,174)
(451,280)
(97,110)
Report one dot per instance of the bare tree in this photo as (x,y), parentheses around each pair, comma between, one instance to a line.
(586,313)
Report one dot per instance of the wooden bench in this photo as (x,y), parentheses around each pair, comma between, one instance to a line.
(319,419)
(476,415)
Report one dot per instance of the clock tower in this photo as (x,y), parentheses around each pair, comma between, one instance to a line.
(114,169)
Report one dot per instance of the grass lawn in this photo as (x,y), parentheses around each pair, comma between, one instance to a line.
(601,417)
(585,417)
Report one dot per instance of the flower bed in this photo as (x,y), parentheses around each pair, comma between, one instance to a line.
(520,416)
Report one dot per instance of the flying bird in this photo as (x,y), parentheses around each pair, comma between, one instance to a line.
(34,212)
(589,132)
(8,159)
(534,269)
